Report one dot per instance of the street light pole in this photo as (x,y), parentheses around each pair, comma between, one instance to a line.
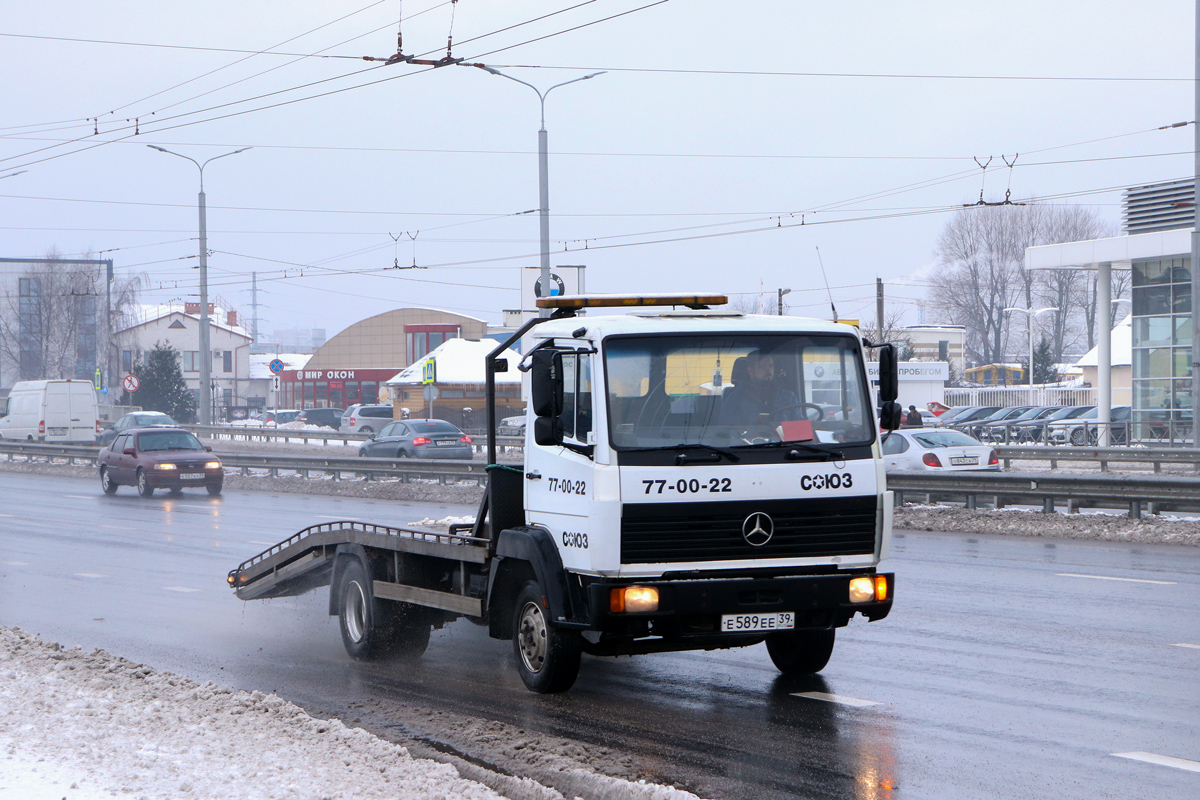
(779,306)
(543,172)
(205,399)
(1032,313)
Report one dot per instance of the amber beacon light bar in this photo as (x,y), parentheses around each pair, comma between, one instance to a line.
(623,300)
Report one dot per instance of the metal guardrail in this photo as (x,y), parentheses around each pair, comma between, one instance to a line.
(1157,456)
(251,433)
(407,470)
(1159,492)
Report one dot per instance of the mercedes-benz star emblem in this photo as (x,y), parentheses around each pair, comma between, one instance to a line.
(758,529)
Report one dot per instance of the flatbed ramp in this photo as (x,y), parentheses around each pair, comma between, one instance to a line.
(304,561)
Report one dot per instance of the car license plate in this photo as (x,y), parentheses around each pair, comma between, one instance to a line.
(963,461)
(191,476)
(748,623)
(57,431)
(445,442)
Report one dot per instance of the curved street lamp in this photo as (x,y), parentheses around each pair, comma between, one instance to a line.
(1032,312)
(543,169)
(205,399)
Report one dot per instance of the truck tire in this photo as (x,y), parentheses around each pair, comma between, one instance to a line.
(547,656)
(800,652)
(377,629)
(143,484)
(106,481)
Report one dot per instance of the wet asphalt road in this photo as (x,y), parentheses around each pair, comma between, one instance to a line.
(999,673)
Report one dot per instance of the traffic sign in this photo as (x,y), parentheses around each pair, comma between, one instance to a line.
(430,393)
(429,371)
(130,383)
(276,366)
(275,383)
(99,381)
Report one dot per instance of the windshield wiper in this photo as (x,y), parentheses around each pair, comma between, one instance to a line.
(830,455)
(732,456)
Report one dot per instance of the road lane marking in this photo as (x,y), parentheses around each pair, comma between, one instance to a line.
(179,589)
(6,516)
(89,575)
(16,563)
(1164,761)
(1174,644)
(1110,578)
(80,496)
(840,699)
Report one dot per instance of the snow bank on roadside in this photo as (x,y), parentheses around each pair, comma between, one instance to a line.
(92,725)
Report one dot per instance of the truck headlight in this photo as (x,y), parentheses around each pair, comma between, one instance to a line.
(862,590)
(633,600)
(165,466)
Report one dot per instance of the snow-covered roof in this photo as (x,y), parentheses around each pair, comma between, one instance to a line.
(1122,347)
(148,313)
(260,363)
(460,361)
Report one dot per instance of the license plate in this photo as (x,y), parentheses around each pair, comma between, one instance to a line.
(446,443)
(191,476)
(57,431)
(748,623)
(963,461)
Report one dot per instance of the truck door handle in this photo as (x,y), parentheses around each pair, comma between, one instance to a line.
(533,476)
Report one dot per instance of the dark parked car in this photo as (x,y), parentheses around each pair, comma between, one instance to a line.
(138,419)
(159,458)
(1003,430)
(418,438)
(1000,415)
(328,417)
(1033,430)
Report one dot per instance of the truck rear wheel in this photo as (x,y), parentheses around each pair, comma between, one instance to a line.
(547,656)
(800,652)
(375,629)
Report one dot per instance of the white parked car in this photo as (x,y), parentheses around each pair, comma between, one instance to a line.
(511,426)
(937,449)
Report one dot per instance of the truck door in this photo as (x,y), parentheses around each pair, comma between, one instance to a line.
(57,410)
(559,478)
(83,416)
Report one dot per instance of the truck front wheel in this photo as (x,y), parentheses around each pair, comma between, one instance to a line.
(376,629)
(800,652)
(547,656)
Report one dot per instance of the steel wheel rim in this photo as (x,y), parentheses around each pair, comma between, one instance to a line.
(533,641)
(356,611)
(141,481)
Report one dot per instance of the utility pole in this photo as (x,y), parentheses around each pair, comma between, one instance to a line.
(879,301)
(1195,263)
(254,307)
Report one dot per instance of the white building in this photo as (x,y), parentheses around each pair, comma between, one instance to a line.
(180,328)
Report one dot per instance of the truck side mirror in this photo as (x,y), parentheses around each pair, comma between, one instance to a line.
(546,382)
(889,416)
(548,431)
(889,374)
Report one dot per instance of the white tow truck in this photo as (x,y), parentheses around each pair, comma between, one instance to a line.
(693,479)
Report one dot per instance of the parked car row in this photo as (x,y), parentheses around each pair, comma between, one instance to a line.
(1074,425)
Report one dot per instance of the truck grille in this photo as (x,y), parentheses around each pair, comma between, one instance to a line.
(658,533)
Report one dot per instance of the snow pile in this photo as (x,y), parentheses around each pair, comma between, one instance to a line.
(297,425)
(86,726)
(444,522)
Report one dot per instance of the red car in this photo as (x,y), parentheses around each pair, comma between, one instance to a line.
(159,458)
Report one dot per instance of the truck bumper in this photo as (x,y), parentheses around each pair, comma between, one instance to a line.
(689,611)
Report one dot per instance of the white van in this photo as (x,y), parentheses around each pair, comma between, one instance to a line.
(51,411)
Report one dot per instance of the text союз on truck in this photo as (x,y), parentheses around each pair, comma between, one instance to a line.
(693,479)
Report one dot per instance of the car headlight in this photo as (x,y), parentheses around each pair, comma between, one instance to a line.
(213,465)
(165,466)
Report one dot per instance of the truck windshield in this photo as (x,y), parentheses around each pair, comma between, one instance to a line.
(736,390)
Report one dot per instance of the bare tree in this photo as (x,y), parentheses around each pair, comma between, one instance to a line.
(982,255)
(52,317)
(1087,297)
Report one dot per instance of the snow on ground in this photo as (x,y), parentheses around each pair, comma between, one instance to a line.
(94,726)
(84,726)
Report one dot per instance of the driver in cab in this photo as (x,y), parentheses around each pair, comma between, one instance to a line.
(756,396)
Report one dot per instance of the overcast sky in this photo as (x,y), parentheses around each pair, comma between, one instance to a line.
(694,131)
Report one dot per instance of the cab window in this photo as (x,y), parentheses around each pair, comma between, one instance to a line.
(577,397)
